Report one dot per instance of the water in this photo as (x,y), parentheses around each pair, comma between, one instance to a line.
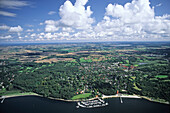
(34,104)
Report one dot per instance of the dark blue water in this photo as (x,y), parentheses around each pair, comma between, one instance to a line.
(34,104)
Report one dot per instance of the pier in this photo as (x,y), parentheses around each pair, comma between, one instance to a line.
(3,98)
(121,101)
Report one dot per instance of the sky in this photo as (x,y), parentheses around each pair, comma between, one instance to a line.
(31,21)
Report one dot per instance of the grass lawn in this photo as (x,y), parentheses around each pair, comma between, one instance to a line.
(81,96)
(133,77)
(145,75)
(136,65)
(83,60)
(135,87)
(153,79)
(161,76)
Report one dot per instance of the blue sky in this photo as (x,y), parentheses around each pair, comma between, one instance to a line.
(84,20)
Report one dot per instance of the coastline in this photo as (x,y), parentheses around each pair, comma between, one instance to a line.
(153,100)
(135,96)
(103,97)
(35,94)
(19,95)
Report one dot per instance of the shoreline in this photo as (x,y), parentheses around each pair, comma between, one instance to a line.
(135,96)
(103,97)
(35,94)
(122,95)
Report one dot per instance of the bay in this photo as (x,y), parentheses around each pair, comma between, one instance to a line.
(36,104)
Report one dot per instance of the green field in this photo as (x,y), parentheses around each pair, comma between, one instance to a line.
(83,60)
(135,87)
(81,96)
(161,76)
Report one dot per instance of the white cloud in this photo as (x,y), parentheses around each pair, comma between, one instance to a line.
(133,21)
(16,29)
(13,4)
(52,12)
(75,16)
(6,37)
(4,13)
(30,30)
(41,24)
(67,29)
(51,26)
(33,35)
(4,27)
(19,34)
(42,34)
(48,35)
(158,5)
(134,12)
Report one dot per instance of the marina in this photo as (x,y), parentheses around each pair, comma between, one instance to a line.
(92,103)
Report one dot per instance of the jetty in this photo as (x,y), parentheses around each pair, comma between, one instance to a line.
(3,98)
(121,101)
(92,103)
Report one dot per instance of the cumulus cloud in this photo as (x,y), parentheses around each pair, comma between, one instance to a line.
(13,4)
(4,27)
(51,26)
(135,20)
(16,29)
(76,16)
(134,12)
(4,13)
